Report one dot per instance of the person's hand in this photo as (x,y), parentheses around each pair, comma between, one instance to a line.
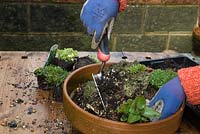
(169,98)
(96,16)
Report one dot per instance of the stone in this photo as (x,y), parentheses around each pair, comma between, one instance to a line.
(170,18)
(56,18)
(13,18)
(141,43)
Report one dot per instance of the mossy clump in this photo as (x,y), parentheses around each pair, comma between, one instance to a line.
(138,80)
(159,77)
(89,90)
(136,68)
(53,75)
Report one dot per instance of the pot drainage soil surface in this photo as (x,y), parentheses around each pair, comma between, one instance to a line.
(115,88)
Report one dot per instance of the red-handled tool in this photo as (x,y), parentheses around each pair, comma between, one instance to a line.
(103,55)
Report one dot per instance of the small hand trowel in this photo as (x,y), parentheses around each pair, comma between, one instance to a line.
(103,55)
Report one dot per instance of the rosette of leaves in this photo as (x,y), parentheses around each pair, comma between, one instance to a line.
(66,54)
(136,68)
(137,111)
(159,77)
(138,80)
(53,75)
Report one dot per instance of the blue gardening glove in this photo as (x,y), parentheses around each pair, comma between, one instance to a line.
(96,14)
(169,98)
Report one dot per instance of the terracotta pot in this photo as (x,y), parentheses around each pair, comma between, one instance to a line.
(90,124)
(196,41)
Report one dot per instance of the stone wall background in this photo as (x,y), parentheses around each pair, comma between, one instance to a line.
(146,25)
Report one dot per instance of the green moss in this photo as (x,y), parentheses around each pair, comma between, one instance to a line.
(136,84)
(159,77)
(89,90)
(136,68)
(138,79)
(54,75)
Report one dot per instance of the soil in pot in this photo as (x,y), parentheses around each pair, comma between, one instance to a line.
(120,83)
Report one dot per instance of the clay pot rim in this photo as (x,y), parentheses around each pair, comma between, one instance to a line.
(65,95)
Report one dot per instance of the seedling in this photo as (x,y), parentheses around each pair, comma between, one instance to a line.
(66,54)
(159,77)
(137,111)
(136,68)
(54,75)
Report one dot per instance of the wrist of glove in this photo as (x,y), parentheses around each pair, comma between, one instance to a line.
(190,80)
(169,98)
(171,95)
(122,5)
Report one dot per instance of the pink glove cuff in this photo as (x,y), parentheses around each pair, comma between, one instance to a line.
(122,5)
(190,80)
(102,57)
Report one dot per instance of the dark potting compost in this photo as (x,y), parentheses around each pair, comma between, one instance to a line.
(122,84)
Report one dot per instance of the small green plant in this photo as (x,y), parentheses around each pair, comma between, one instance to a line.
(66,54)
(136,68)
(137,111)
(54,75)
(89,90)
(159,77)
(137,81)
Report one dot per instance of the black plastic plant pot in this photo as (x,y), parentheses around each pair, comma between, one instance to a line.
(42,83)
(63,64)
(175,63)
(83,61)
(57,93)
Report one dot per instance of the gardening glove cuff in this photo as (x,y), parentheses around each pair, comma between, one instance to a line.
(190,80)
(122,5)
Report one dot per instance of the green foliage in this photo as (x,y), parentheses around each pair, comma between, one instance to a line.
(66,54)
(136,68)
(136,111)
(89,89)
(159,77)
(54,75)
(138,79)
(136,83)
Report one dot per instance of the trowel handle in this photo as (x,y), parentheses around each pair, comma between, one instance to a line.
(103,50)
